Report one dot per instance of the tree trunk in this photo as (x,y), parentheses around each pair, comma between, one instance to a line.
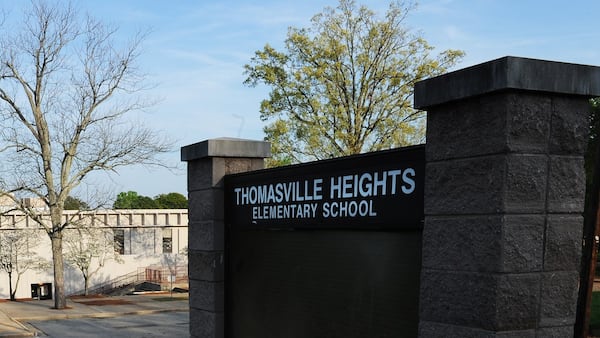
(86,281)
(60,300)
(10,288)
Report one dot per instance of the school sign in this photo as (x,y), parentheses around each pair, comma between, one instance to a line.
(476,234)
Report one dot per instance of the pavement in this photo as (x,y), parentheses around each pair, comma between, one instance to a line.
(14,316)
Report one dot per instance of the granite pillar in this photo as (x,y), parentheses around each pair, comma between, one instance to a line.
(504,195)
(208,162)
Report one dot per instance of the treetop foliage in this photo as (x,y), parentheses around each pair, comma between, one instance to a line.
(345,85)
(131,200)
(74,203)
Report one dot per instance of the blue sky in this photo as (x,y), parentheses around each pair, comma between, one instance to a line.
(196,52)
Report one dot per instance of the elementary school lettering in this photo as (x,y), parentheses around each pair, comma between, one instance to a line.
(328,197)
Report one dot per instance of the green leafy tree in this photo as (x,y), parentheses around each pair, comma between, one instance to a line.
(74,203)
(145,202)
(131,200)
(125,200)
(171,200)
(345,85)
(67,85)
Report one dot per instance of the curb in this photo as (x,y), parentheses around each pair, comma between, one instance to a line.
(98,315)
(27,333)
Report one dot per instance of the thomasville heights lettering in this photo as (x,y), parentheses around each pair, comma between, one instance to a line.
(336,196)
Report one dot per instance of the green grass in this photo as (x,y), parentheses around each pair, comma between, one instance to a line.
(595,312)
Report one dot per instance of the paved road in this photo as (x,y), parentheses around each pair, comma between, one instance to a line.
(167,324)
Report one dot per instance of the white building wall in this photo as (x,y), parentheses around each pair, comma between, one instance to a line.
(143,247)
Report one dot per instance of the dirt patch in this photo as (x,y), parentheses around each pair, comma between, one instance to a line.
(17,300)
(86,297)
(82,297)
(101,302)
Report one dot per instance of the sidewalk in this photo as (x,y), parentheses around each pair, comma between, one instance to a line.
(14,315)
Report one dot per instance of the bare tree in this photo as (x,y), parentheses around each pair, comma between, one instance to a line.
(88,248)
(17,255)
(66,88)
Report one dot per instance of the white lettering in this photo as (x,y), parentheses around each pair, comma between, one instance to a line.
(237,195)
(279,192)
(314,209)
(366,186)
(362,208)
(347,190)
(379,183)
(393,174)
(408,180)
(252,195)
(318,189)
(336,187)
(349,195)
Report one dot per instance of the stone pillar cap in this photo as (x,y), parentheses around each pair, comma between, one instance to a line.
(509,73)
(226,147)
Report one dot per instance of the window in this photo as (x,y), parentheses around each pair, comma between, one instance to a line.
(119,239)
(167,241)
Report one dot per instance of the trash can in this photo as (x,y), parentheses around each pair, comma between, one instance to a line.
(41,291)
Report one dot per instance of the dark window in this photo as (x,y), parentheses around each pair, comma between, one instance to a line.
(167,241)
(119,241)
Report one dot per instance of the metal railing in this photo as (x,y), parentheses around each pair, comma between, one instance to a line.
(152,274)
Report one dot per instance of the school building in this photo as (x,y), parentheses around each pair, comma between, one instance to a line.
(124,248)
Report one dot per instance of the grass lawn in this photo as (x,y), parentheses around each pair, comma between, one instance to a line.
(595,313)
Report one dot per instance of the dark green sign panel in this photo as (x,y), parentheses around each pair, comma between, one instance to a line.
(326,249)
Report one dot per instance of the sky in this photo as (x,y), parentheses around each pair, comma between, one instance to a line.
(196,50)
